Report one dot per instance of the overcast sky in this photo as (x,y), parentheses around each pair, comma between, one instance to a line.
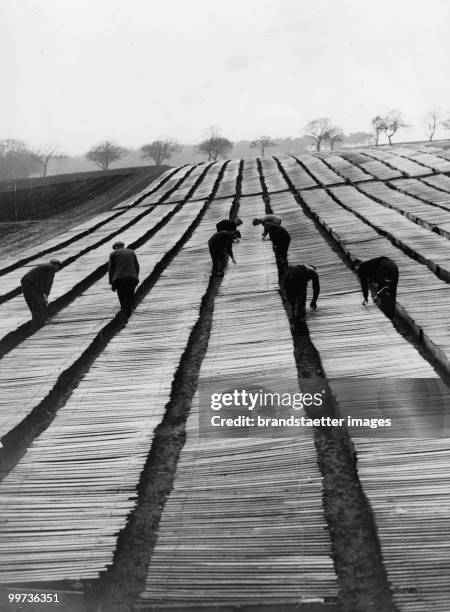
(78,71)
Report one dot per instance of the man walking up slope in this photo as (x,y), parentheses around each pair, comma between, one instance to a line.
(123,272)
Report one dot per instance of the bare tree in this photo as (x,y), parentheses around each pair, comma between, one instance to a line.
(318,130)
(446,124)
(394,121)
(334,135)
(379,125)
(105,153)
(431,121)
(45,155)
(262,143)
(215,146)
(159,150)
(15,159)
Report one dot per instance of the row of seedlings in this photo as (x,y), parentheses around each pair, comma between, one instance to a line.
(273,179)
(69,333)
(346,169)
(15,311)
(434,218)
(173,183)
(299,177)
(374,167)
(154,186)
(439,181)
(182,192)
(433,190)
(244,523)
(319,170)
(421,296)
(427,247)
(80,230)
(373,372)
(66,336)
(425,157)
(406,166)
(90,457)
(67,254)
(250,178)
(204,189)
(227,186)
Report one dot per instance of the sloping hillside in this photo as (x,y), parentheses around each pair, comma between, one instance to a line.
(116,482)
(35,209)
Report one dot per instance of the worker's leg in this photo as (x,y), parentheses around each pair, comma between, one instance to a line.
(219,261)
(389,300)
(291,291)
(125,292)
(222,263)
(213,253)
(295,284)
(300,310)
(130,286)
(28,294)
(386,282)
(393,297)
(393,290)
(281,249)
(285,250)
(278,251)
(35,302)
(122,291)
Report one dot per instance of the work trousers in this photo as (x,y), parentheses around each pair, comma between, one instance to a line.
(296,284)
(386,276)
(125,291)
(219,260)
(35,300)
(281,249)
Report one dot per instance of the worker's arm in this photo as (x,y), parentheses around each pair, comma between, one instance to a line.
(266,230)
(111,268)
(229,250)
(316,289)
(364,280)
(136,263)
(48,282)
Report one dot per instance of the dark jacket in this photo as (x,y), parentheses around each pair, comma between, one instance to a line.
(226,225)
(123,263)
(277,233)
(378,271)
(297,278)
(41,277)
(269,219)
(222,243)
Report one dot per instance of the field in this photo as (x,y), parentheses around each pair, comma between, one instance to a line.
(41,208)
(115,493)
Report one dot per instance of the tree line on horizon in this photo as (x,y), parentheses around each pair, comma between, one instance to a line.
(17,160)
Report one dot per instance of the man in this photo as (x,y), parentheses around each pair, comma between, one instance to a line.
(265,220)
(123,273)
(295,285)
(36,286)
(220,247)
(382,272)
(228,225)
(281,239)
